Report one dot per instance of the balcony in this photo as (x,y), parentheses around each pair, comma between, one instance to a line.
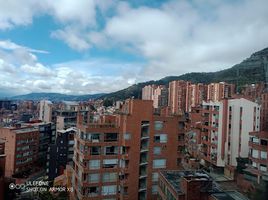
(257,146)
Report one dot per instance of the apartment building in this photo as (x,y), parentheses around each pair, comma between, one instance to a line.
(45,111)
(219,91)
(60,153)
(47,136)
(157,93)
(66,115)
(2,168)
(148,91)
(258,145)
(196,94)
(21,148)
(122,159)
(225,132)
(178,96)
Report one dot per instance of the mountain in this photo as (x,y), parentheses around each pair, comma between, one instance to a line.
(56,97)
(249,71)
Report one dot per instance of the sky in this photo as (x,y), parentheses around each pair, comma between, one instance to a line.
(95,46)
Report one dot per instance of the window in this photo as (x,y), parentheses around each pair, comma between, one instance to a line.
(263,155)
(254,165)
(110,137)
(110,163)
(154,189)
(255,140)
(157,150)
(263,167)
(155,176)
(94,164)
(95,150)
(159,163)
(255,153)
(110,150)
(162,138)
(127,136)
(93,191)
(108,190)
(93,178)
(109,177)
(158,125)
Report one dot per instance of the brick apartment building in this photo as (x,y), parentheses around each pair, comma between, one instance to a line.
(196,94)
(178,96)
(258,145)
(157,93)
(21,149)
(122,159)
(219,91)
(2,168)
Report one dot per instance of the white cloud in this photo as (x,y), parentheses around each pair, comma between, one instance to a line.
(37,69)
(8,45)
(177,37)
(21,72)
(72,37)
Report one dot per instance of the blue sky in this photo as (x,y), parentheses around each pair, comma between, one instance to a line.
(91,46)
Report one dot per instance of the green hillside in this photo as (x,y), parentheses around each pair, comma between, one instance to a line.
(249,71)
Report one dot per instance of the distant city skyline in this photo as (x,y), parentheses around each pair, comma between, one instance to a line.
(87,47)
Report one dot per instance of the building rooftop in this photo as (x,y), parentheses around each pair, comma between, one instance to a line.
(229,195)
(174,177)
(71,103)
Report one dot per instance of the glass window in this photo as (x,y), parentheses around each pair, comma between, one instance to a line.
(157,150)
(109,177)
(263,155)
(154,189)
(94,164)
(110,163)
(108,190)
(93,178)
(161,138)
(127,136)
(110,150)
(263,167)
(155,176)
(110,137)
(95,150)
(255,153)
(158,125)
(159,163)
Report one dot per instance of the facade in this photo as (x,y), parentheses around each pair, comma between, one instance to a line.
(60,153)
(45,111)
(197,93)
(178,97)
(147,92)
(258,145)
(2,168)
(67,114)
(122,159)
(219,91)
(21,149)
(225,131)
(47,136)
(159,95)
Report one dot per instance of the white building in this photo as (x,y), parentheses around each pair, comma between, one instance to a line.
(226,130)
(45,112)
